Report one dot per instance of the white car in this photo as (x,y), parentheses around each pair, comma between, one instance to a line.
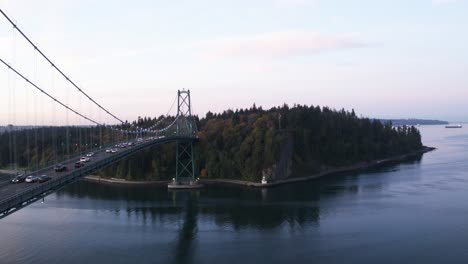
(32,178)
(84,159)
(114,150)
(90,154)
(108,150)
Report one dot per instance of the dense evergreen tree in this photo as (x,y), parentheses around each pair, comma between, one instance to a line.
(241,144)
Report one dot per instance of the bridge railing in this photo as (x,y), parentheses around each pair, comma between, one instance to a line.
(36,190)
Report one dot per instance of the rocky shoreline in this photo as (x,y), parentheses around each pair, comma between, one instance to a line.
(357,167)
(94,178)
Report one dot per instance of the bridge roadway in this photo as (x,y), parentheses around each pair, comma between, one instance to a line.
(4,178)
(14,196)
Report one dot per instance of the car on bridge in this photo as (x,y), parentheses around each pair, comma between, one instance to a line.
(60,167)
(114,150)
(32,178)
(19,178)
(90,154)
(85,159)
(44,178)
(79,164)
(108,150)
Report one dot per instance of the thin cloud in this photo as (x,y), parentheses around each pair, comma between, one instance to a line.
(280,44)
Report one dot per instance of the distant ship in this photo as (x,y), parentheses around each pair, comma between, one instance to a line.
(453,126)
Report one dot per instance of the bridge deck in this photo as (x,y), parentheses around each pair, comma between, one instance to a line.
(15,196)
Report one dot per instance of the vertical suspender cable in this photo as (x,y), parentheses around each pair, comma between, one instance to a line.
(91,146)
(67,127)
(100,130)
(85,132)
(14,122)
(53,124)
(28,130)
(10,128)
(43,127)
(78,126)
(36,150)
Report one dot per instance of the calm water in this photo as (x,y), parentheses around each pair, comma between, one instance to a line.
(416,212)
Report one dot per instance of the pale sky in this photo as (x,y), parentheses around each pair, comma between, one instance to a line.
(390,59)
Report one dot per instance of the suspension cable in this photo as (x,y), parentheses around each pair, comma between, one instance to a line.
(56,100)
(47,94)
(150,129)
(60,71)
(69,80)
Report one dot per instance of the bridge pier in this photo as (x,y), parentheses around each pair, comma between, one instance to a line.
(185,167)
(184,185)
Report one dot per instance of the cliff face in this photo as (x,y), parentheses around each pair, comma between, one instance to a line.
(276,143)
(282,169)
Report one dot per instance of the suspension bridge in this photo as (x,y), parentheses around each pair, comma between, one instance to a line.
(86,146)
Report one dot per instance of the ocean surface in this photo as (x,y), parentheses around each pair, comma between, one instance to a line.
(412,212)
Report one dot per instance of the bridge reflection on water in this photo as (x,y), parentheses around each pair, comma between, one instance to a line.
(295,205)
(183,225)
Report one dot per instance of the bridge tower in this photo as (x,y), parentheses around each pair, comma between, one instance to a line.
(186,135)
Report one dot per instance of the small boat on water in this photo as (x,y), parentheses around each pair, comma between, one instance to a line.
(453,126)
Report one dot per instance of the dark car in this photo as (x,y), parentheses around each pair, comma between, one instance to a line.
(79,164)
(44,178)
(19,179)
(60,167)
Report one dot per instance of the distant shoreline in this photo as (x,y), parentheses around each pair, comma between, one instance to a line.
(414,122)
(356,167)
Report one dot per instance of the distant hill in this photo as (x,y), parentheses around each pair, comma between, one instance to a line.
(414,122)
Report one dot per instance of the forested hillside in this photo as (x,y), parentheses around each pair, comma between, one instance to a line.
(37,146)
(241,144)
(246,144)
